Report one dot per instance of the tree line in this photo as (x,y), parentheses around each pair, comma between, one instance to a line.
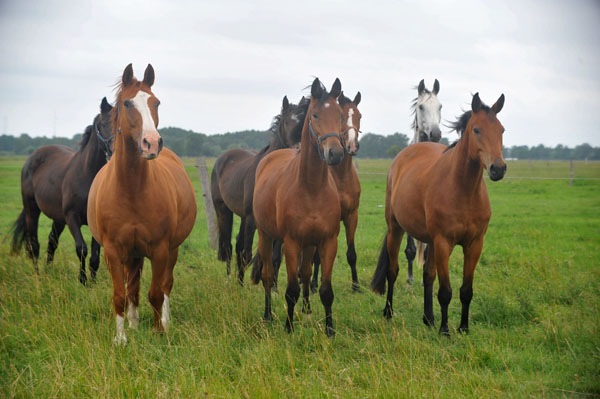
(192,144)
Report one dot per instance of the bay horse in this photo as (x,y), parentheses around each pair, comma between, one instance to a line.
(427,112)
(56,180)
(141,204)
(420,175)
(348,186)
(296,200)
(232,184)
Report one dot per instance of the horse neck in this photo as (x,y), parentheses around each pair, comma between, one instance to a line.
(466,170)
(312,172)
(93,154)
(131,168)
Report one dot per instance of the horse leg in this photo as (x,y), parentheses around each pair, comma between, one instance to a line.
(314,284)
(265,251)
(32,216)
(328,250)
(225,225)
(156,295)
(94,258)
(74,223)
(115,266)
(410,252)
(292,293)
(277,246)
(239,250)
(134,273)
(350,224)
(249,229)
(167,285)
(305,272)
(394,239)
(429,273)
(55,232)
(441,256)
(472,254)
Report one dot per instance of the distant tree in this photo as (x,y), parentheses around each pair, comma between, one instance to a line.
(392,151)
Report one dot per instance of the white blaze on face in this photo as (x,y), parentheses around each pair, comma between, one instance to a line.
(351,130)
(140,102)
(120,339)
(133,316)
(166,315)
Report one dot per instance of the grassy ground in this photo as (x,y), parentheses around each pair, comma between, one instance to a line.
(535,314)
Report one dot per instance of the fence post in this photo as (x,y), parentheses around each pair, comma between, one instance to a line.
(571,173)
(208,203)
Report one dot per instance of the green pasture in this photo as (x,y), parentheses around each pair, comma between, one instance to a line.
(535,315)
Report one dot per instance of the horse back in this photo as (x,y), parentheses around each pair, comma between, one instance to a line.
(232,179)
(42,176)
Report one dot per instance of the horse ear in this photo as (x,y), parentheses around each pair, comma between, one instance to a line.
(105,107)
(421,87)
(499,104)
(128,76)
(336,89)
(436,87)
(476,103)
(356,100)
(342,99)
(316,91)
(285,103)
(149,76)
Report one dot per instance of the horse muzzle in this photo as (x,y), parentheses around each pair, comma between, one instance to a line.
(333,154)
(151,145)
(497,170)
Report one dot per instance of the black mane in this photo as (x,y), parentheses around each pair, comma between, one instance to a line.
(461,124)
(85,139)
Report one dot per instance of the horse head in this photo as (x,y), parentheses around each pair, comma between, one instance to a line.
(351,124)
(103,128)
(137,112)
(325,121)
(427,113)
(291,121)
(487,132)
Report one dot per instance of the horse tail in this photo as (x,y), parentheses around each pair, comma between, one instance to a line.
(383,265)
(257,266)
(420,253)
(18,230)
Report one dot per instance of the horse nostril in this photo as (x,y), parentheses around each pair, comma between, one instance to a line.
(146,143)
(504,168)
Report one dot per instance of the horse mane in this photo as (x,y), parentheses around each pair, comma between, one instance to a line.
(461,124)
(85,139)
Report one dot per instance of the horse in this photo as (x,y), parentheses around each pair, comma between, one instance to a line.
(348,186)
(296,200)
(426,124)
(232,184)
(420,175)
(141,204)
(56,180)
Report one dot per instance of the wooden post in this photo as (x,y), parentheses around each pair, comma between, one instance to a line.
(208,203)
(571,173)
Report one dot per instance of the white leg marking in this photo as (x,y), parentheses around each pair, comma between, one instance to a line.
(166,315)
(120,338)
(133,316)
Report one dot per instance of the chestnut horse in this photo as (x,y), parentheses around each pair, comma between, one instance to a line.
(232,184)
(420,175)
(56,180)
(140,205)
(348,185)
(428,114)
(296,200)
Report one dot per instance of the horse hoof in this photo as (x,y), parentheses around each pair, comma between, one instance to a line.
(268,317)
(330,332)
(428,322)
(410,280)
(82,278)
(388,312)
(463,330)
(120,339)
(314,287)
(444,331)
(356,287)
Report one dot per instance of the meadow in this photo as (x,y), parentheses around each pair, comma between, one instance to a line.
(535,314)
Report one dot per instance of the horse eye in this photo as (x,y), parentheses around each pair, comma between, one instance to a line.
(315,116)
(421,107)
(476,131)
(127,103)
(440,106)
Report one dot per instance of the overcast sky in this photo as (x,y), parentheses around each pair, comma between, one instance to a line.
(226,65)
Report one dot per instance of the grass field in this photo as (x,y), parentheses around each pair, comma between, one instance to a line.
(535,315)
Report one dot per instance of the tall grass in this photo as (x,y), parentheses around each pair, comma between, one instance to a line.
(535,314)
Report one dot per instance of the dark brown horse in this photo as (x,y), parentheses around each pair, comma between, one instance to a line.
(296,200)
(420,175)
(56,180)
(348,185)
(140,205)
(232,184)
